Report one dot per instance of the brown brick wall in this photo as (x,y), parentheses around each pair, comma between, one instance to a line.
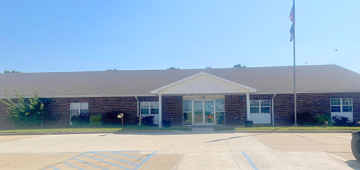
(314,103)
(3,115)
(148,98)
(60,107)
(235,109)
(172,109)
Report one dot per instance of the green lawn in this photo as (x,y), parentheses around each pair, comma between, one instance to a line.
(61,130)
(136,128)
(291,128)
(88,129)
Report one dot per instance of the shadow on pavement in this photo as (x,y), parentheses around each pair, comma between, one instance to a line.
(217,140)
(354,164)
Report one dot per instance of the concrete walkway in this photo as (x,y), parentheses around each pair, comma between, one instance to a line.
(200,149)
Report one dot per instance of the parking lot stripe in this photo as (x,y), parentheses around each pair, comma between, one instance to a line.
(88,163)
(54,168)
(125,155)
(249,160)
(107,162)
(73,166)
(149,156)
(113,158)
(337,157)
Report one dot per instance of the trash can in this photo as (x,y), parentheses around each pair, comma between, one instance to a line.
(166,123)
(248,123)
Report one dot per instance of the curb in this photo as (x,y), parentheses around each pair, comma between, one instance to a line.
(296,131)
(70,133)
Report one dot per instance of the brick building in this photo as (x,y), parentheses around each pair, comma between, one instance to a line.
(194,96)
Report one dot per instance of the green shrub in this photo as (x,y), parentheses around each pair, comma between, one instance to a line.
(322,118)
(95,120)
(24,111)
(305,118)
(81,120)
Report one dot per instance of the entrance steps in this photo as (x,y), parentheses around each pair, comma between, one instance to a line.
(203,129)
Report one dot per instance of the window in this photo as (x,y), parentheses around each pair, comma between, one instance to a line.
(341,105)
(147,108)
(259,106)
(187,112)
(78,111)
(220,111)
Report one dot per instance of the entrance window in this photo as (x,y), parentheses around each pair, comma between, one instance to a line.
(204,111)
(220,111)
(259,106)
(187,112)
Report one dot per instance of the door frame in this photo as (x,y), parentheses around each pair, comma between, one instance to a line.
(203,112)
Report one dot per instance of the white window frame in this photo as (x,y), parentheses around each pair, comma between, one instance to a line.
(78,106)
(259,106)
(341,105)
(149,103)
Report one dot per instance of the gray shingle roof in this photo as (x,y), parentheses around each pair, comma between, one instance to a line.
(322,78)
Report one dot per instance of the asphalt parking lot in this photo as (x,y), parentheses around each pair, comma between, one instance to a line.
(178,150)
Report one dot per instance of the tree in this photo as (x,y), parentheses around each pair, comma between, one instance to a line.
(13,71)
(24,111)
(208,67)
(239,66)
(112,69)
(173,68)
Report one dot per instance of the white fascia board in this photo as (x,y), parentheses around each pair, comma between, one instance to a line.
(304,92)
(156,91)
(80,96)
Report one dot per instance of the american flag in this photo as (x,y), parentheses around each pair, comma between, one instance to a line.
(292,33)
(292,14)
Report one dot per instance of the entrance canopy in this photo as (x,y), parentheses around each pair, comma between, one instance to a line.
(203,83)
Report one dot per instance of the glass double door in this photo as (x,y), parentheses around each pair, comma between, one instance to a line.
(204,112)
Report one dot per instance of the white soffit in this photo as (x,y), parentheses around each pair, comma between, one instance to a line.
(203,83)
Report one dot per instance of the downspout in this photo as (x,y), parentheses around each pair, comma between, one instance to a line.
(137,110)
(273,110)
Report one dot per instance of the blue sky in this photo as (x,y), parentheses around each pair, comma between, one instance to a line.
(91,35)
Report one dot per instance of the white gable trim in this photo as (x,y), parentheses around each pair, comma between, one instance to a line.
(156,91)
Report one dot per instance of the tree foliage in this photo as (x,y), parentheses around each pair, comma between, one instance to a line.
(13,71)
(23,111)
(112,69)
(173,68)
(239,66)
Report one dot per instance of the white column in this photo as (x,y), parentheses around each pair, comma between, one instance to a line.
(248,106)
(160,110)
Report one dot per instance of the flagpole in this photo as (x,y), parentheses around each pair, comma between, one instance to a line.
(295,115)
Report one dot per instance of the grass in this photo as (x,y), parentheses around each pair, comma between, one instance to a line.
(181,128)
(292,128)
(61,130)
(87,129)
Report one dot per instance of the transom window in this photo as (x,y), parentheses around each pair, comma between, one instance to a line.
(341,105)
(147,108)
(259,106)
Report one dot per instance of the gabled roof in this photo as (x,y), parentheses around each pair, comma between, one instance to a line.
(156,91)
(310,79)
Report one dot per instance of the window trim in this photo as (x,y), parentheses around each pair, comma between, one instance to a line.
(149,105)
(259,106)
(341,105)
(78,108)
